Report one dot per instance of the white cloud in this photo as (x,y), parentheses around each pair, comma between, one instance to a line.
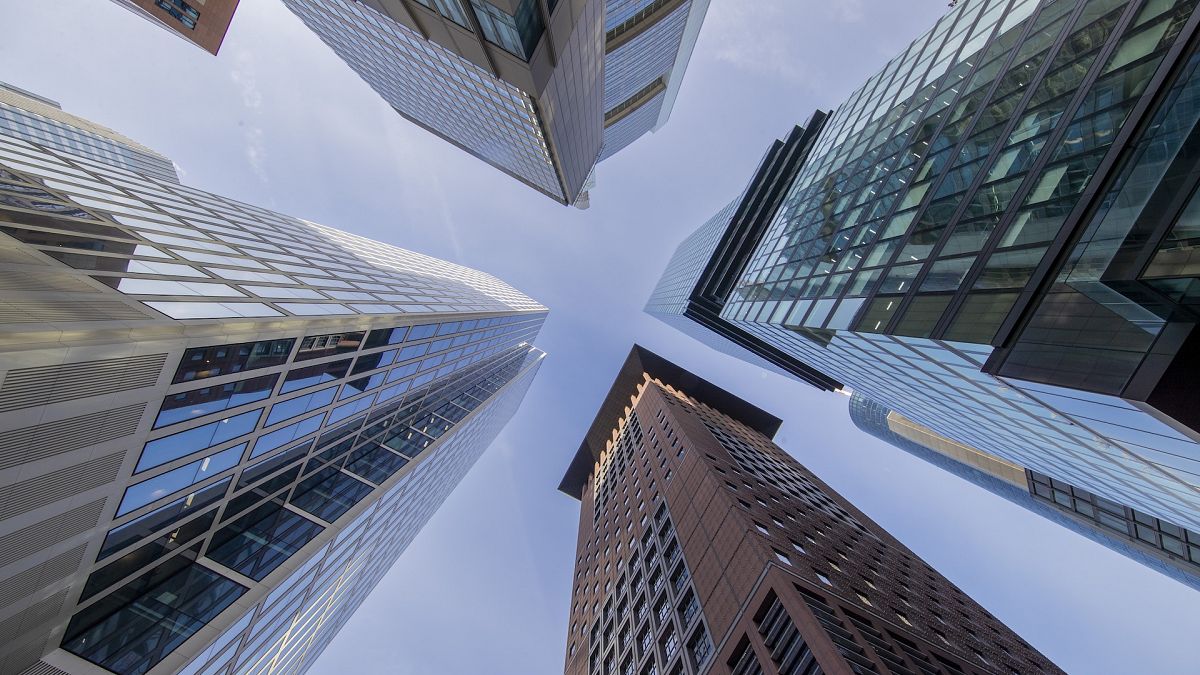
(252,101)
(768,37)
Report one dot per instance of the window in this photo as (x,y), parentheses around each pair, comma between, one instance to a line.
(311,375)
(139,528)
(163,607)
(262,540)
(670,644)
(317,346)
(163,450)
(207,400)
(662,610)
(700,647)
(201,362)
(183,12)
(689,609)
(152,489)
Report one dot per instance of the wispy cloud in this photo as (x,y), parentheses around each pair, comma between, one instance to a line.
(254,147)
(763,37)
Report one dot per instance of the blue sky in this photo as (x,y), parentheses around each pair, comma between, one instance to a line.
(277,120)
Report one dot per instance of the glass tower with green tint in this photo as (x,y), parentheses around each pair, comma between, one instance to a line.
(994,237)
(220,426)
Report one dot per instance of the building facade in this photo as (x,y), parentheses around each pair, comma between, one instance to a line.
(1165,548)
(704,548)
(37,119)
(969,240)
(200,22)
(220,425)
(540,90)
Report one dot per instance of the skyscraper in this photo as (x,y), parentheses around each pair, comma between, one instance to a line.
(1138,536)
(37,119)
(540,90)
(200,22)
(704,548)
(990,238)
(220,425)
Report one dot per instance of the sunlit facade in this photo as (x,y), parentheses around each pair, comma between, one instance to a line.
(990,237)
(33,118)
(541,91)
(220,425)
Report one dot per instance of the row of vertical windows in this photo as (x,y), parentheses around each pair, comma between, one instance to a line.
(1181,543)
(256,536)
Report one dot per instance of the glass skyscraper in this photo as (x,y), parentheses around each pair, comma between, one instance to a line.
(220,425)
(542,91)
(992,238)
(34,118)
(1136,535)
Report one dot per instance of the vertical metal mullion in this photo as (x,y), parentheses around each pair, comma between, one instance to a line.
(949,34)
(937,180)
(977,180)
(1139,117)
(1044,158)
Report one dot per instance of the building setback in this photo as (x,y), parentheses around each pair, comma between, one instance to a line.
(37,119)
(993,238)
(540,90)
(200,22)
(704,548)
(220,425)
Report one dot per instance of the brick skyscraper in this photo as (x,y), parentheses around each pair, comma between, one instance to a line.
(704,548)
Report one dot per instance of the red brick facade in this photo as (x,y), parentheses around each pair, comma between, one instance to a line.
(788,576)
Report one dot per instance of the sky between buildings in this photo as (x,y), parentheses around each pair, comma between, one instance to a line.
(277,120)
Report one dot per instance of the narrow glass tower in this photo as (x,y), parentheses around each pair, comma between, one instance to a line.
(540,90)
(220,425)
(993,237)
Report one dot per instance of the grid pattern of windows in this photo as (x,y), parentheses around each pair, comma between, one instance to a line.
(253,532)
(644,59)
(39,122)
(674,289)
(813,534)
(925,206)
(287,630)
(265,447)
(438,89)
(1013,484)
(1180,543)
(631,127)
(167,245)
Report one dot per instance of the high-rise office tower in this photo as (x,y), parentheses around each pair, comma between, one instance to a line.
(540,89)
(200,22)
(992,237)
(1136,535)
(220,425)
(705,549)
(37,119)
